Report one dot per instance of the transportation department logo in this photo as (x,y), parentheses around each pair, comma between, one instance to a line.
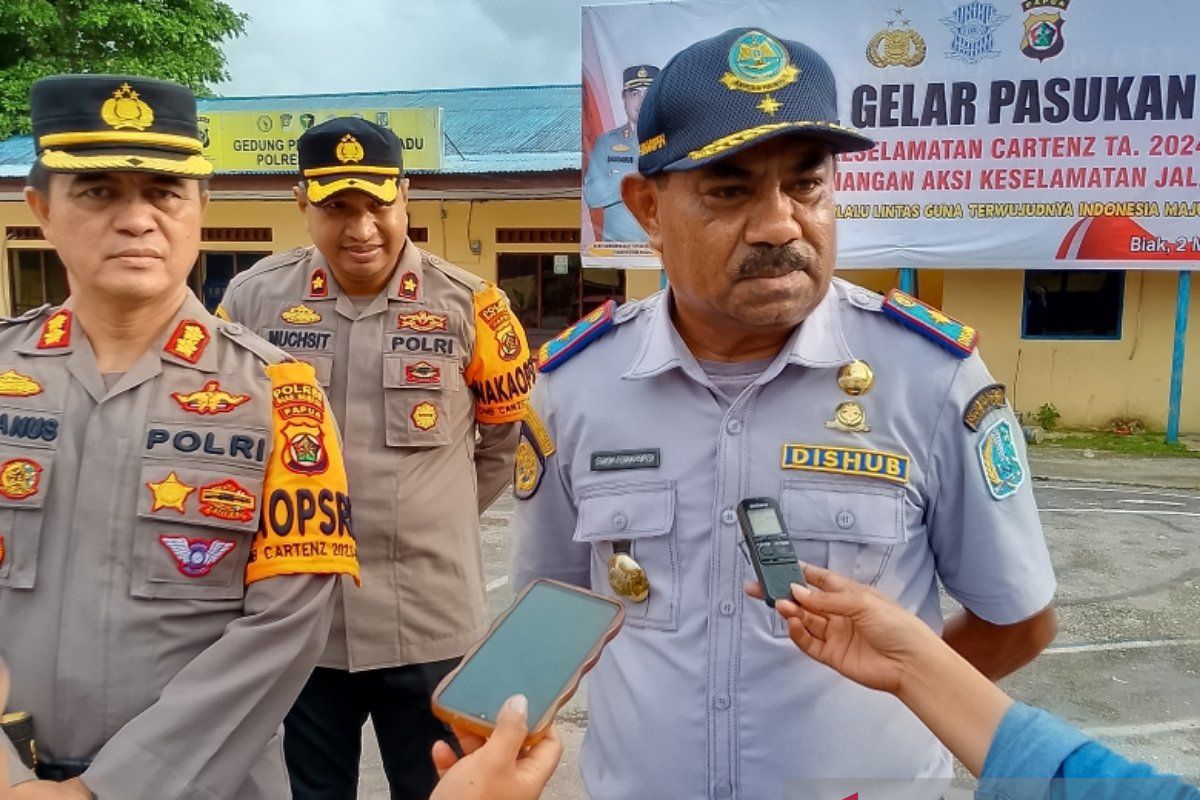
(897,45)
(1043,37)
(974,26)
(758,63)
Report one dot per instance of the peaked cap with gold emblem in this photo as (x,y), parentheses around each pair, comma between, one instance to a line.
(350,153)
(116,123)
(722,95)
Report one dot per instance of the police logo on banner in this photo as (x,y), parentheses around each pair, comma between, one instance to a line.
(974,27)
(897,45)
(1001,464)
(1043,36)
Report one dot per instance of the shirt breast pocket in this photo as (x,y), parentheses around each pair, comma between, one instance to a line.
(195,525)
(848,528)
(642,514)
(24,478)
(418,394)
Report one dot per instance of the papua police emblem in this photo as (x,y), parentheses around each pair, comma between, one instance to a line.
(19,478)
(1043,37)
(897,45)
(126,109)
(974,27)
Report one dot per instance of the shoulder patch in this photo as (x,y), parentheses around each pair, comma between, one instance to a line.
(554,353)
(949,333)
(986,399)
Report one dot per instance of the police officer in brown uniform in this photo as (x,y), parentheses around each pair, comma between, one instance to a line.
(173,507)
(427,370)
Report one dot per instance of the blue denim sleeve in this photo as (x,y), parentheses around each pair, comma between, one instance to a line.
(1035,756)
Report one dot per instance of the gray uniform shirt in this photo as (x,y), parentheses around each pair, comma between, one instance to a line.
(406,375)
(613,156)
(160,665)
(702,695)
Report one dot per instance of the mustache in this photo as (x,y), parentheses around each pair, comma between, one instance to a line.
(766,261)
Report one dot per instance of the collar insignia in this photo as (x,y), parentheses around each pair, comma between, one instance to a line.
(188,341)
(56,332)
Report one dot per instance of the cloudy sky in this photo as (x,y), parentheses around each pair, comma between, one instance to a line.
(311,46)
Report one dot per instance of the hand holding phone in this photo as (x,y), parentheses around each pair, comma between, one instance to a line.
(770,548)
(540,648)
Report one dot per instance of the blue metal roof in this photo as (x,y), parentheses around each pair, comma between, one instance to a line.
(484,130)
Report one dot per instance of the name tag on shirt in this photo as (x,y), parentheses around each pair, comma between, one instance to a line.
(604,460)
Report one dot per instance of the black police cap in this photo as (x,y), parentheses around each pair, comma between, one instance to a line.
(638,76)
(124,123)
(722,95)
(348,153)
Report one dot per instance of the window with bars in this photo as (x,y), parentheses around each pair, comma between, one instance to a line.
(36,277)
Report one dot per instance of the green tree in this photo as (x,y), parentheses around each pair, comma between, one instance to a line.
(174,39)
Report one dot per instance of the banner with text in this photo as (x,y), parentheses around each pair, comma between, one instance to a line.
(264,140)
(1049,134)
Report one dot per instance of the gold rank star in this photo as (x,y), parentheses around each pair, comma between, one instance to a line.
(410,285)
(769,106)
(170,492)
(318,282)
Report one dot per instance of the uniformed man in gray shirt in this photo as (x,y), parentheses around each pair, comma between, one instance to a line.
(872,421)
(613,156)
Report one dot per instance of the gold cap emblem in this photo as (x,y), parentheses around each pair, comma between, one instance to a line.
(856,378)
(125,109)
(349,150)
(627,578)
(849,417)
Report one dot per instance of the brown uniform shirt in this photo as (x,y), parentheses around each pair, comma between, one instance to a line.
(414,376)
(155,609)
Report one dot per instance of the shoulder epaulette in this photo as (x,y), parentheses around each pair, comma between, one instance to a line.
(456,273)
(554,353)
(32,313)
(955,336)
(266,352)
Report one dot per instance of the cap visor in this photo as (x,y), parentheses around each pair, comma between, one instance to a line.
(384,190)
(133,159)
(840,140)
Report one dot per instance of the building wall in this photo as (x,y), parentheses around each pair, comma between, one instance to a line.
(1089,382)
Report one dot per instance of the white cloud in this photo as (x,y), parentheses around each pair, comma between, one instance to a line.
(319,46)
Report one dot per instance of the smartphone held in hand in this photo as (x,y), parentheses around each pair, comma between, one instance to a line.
(540,647)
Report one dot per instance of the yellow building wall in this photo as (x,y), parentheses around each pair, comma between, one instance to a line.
(1090,382)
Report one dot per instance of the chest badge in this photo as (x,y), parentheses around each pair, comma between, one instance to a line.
(196,557)
(170,493)
(626,576)
(14,384)
(849,417)
(422,322)
(20,478)
(300,315)
(425,416)
(227,500)
(211,399)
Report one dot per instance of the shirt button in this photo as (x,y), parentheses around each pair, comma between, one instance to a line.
(845,519)
(861,297)
(727,607)
(722,701)
(734,427)
(723,790)
(619,521)
(729,516)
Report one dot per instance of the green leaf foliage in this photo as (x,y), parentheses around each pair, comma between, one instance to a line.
(174,39)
